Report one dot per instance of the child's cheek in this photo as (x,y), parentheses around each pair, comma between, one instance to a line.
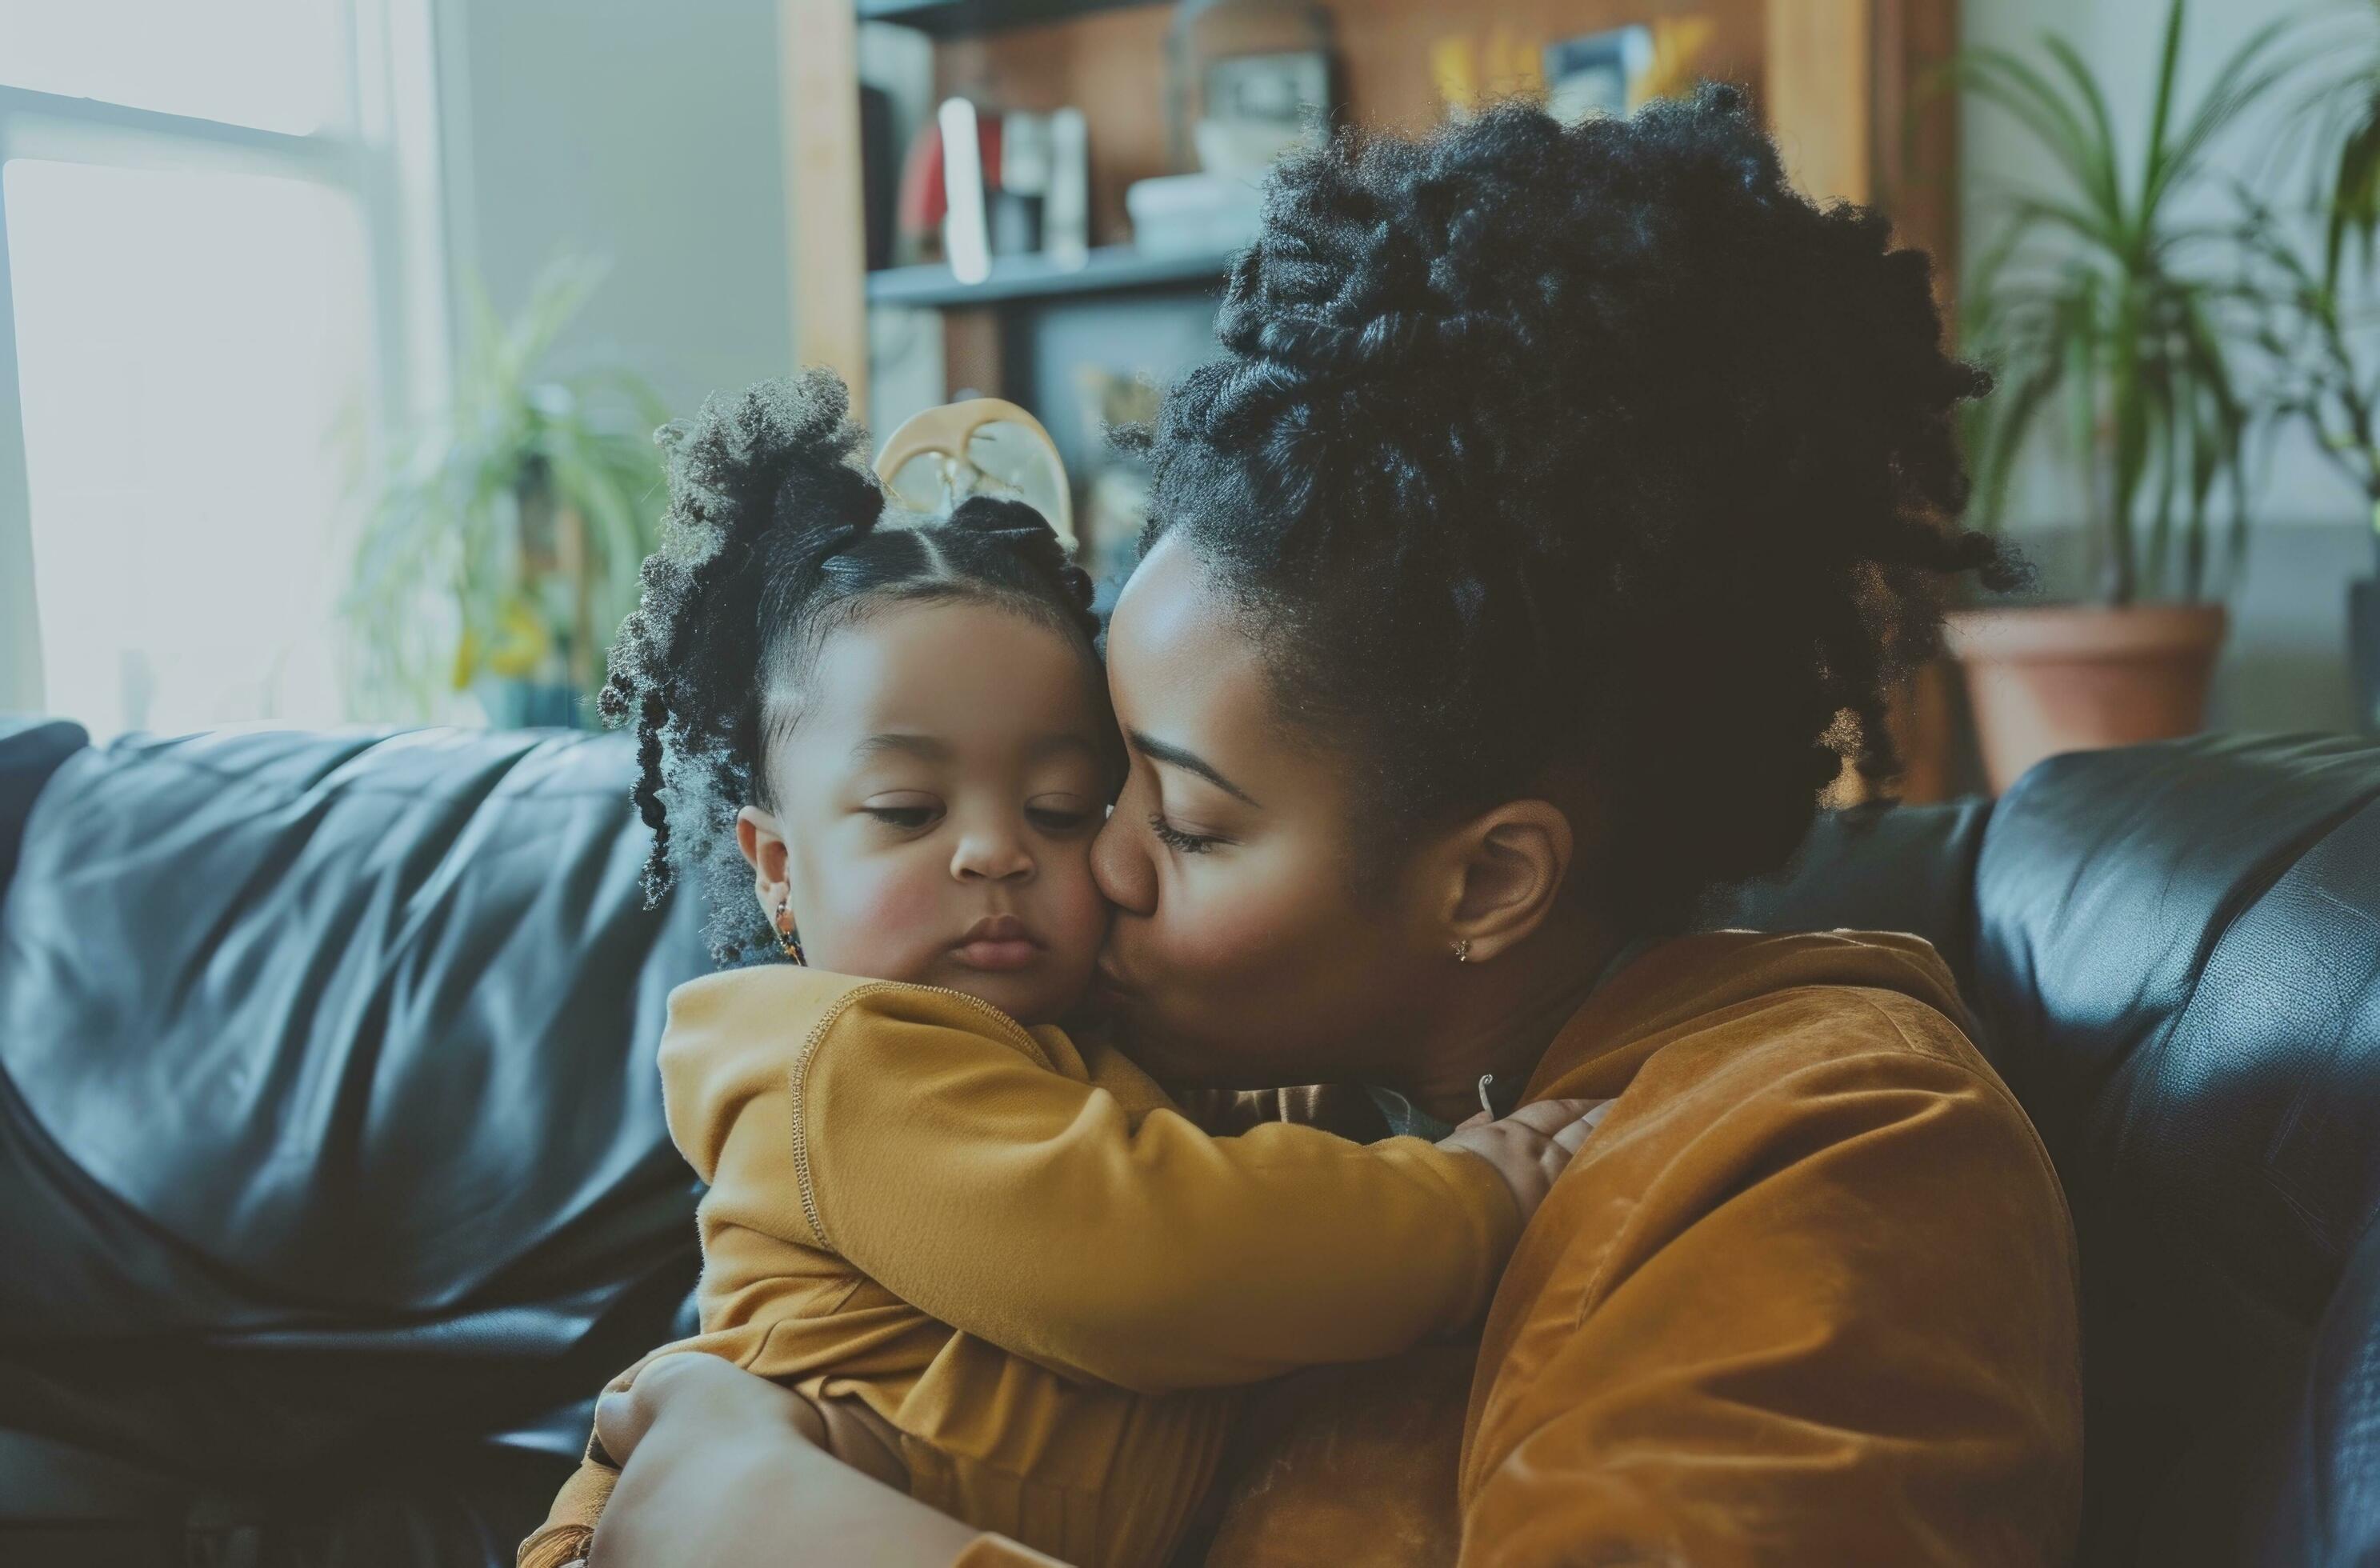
(892,922)
(1078,915)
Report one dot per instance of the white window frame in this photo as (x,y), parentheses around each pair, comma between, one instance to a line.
(384,152)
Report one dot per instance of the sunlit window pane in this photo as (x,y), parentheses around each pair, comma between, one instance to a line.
(272,64)
(189,345)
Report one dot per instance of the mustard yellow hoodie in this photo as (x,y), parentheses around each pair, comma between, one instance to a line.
(1013,1246)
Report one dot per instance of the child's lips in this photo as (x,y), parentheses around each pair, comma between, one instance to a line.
(998,942)
(998,956)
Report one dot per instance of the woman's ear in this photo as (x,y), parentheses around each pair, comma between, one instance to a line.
(763,843)
(1507,869)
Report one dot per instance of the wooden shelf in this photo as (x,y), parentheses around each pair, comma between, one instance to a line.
(960,18)
(1114,269)
(1836,79)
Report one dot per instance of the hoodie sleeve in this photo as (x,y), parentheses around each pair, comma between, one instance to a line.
(936,1146)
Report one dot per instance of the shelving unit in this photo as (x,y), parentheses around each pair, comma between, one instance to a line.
(1112,269)
(952,19)
(1839,82)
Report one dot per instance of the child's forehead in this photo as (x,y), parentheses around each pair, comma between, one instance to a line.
(938,680)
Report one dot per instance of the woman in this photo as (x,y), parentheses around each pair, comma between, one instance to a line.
(1546,540)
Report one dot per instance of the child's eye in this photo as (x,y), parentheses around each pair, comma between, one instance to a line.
(1174,838)
(1057,819)
(908,818)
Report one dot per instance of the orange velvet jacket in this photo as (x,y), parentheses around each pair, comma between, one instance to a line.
(1808,1296)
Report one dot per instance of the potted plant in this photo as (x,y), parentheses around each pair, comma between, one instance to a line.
(503,547)
(2314,321)
(2102,298)
(2308,329)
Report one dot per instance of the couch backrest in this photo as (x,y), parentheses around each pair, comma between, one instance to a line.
(2173,953)
(2179,962)
(328,1096)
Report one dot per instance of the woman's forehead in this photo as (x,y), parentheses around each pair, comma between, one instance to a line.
(1173,640)
(1185,670)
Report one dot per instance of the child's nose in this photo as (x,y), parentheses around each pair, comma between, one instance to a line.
(991,854)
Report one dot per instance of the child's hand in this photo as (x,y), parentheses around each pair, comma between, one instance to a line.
(1532,1145)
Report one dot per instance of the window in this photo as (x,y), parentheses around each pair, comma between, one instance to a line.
(273,64)
(210,227)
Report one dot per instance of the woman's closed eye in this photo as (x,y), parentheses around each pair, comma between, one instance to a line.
(1180,842)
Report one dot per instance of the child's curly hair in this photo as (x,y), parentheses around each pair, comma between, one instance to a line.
(770,545)
(1592,446)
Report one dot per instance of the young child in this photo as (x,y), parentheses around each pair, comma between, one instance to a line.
(1000,1239)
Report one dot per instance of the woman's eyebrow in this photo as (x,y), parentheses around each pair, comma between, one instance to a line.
(1188,761)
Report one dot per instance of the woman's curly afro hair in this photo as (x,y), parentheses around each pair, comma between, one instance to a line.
(770,545)
(1594,448)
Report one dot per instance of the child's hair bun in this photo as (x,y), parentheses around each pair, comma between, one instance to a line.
(779,453)
(1014,525)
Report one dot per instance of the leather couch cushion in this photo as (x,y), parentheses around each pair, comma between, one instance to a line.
(1906,868)
(328,1108)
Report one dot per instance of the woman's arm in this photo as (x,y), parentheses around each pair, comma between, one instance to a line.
(722,1468)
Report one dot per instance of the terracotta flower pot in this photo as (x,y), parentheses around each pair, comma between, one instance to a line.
(2043,681)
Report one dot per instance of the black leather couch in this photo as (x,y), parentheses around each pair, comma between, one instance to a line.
(332,1177)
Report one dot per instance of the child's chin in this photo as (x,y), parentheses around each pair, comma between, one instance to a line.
(1028,996)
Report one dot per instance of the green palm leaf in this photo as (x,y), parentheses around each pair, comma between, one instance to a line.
(2101,295)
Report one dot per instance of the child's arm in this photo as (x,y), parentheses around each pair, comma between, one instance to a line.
(937,1152)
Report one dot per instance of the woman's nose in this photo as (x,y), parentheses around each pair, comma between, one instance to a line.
(1121,867)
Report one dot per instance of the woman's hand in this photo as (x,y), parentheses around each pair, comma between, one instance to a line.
(1532,1145)
(725,1469)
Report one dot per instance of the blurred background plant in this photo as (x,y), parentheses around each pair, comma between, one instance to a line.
(502,551)
(2109,296)
(2315,315)
(2340,110)
(2314,327)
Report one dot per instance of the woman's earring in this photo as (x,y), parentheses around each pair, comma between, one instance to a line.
(1462,951)
(789,941)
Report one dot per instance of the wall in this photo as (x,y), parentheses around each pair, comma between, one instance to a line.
(647,134)
(2285,667)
